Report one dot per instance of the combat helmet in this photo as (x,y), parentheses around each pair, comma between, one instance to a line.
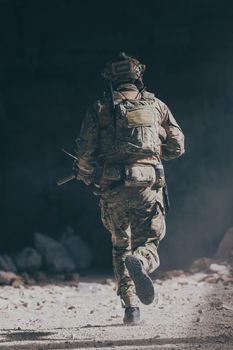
(124,69)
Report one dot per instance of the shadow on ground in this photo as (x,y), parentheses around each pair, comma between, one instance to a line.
(55,343)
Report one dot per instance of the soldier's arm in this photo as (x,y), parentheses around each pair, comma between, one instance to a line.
(173,145)
(87,144)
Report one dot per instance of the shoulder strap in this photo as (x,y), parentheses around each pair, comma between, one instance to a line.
(103,112)
(148,95)
(103,109)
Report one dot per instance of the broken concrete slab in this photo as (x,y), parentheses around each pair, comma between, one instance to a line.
(28,260)
(77,249)
(225,248)
(55,257)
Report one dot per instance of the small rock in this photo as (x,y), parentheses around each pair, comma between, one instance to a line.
(17,283)
(71,307)
(108,282)
(183,283)
(212,279)
(9,278)
(217,304)
(201,264)
(221,269)
(227,280)
(227,307)
(173,273)
(25,304)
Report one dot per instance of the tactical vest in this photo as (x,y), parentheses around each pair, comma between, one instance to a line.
(132,130)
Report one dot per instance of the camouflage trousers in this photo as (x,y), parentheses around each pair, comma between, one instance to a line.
(135,219)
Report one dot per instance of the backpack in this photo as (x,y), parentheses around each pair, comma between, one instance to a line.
(134,125)
(136,128)
(131,131)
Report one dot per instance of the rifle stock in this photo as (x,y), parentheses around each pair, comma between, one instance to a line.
(62,180)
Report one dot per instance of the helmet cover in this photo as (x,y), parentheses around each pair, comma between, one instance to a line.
(123,69)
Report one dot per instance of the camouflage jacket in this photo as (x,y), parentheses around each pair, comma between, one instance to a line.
(97,130)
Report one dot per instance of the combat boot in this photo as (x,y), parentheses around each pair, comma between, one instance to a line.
(132,315)
(143,284)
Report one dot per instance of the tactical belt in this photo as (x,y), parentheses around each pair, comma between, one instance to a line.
(133,175)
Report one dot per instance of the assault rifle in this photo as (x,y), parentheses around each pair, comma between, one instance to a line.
(65,179)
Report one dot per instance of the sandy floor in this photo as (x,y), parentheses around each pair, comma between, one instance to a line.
(186,315)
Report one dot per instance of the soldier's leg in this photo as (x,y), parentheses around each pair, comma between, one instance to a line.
(148,229)
(115,219)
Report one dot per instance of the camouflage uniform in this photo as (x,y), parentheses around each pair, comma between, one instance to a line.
(134,216)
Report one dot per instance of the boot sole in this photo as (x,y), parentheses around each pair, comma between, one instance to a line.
(143,284)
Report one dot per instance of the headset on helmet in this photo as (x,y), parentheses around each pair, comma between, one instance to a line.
(124,69)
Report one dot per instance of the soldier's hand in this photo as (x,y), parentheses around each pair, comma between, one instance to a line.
(80,174)
(86,178)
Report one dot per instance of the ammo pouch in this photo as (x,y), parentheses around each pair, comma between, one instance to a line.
(139,175)
(113,172)
(135,175)
(160,176)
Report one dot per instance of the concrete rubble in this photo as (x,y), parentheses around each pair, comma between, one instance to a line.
(48,260)
(10,278)
(193,309)
(63,260)
(225,248)
(210,270)
(28,260)
(77,249)
(54,255)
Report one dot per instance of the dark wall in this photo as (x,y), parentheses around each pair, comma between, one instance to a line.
(50,59)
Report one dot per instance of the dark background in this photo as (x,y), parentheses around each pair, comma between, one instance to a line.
(50,61)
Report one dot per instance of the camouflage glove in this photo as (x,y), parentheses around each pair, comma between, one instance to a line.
(86,178)
(170,150)
(82,175)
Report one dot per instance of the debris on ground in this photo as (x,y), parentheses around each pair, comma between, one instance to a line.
(48,261)
(10,278)
(62,261)
(172,274)
(206,269)
(201,265)
(63,316)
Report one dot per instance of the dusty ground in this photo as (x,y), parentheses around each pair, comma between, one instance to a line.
(186,315)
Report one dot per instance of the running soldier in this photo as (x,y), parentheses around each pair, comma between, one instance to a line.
(123,138)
